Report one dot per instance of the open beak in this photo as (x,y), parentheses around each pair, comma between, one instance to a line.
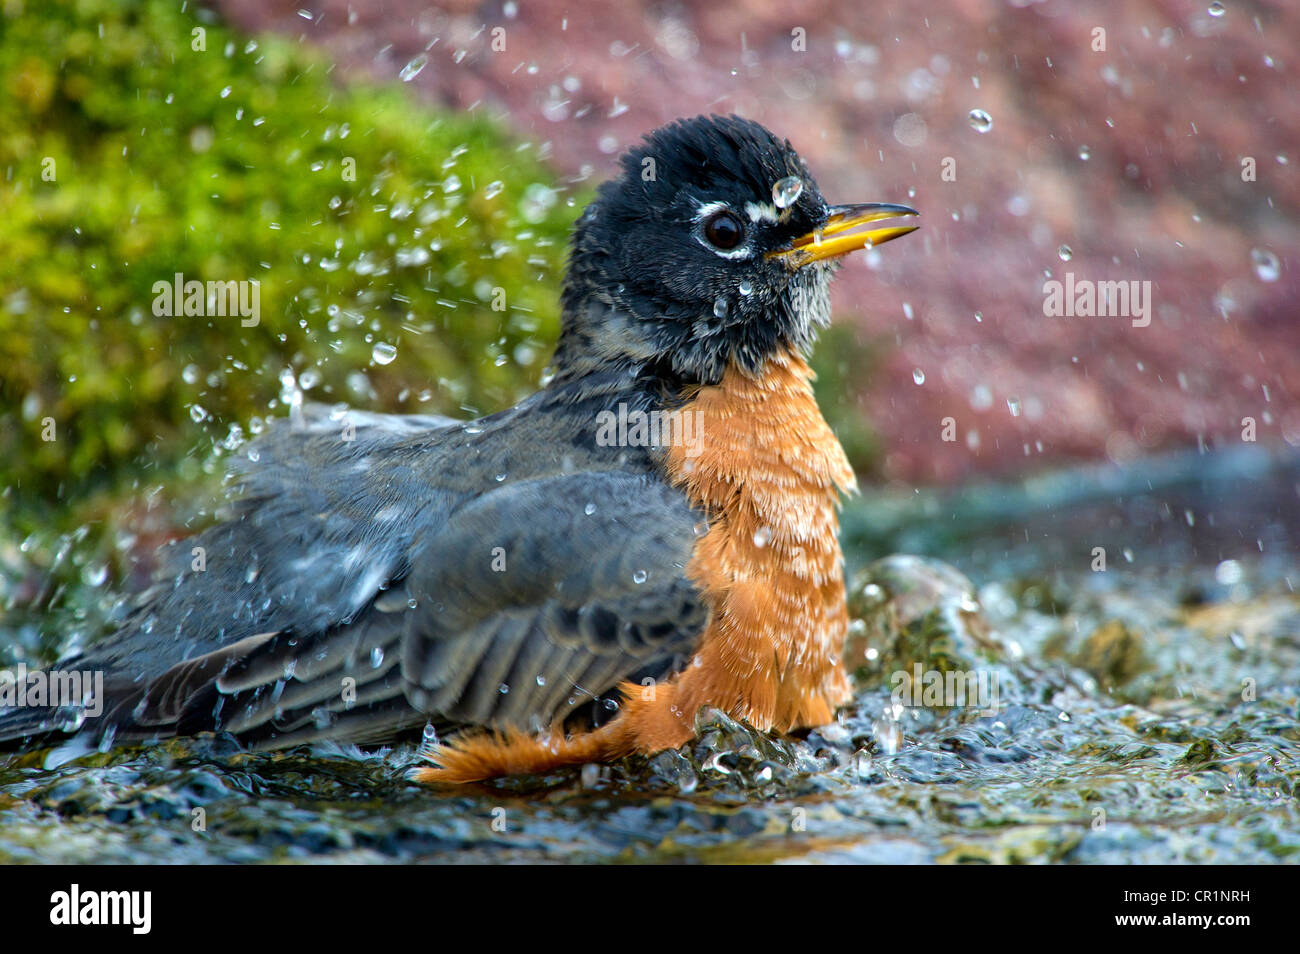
(837,237)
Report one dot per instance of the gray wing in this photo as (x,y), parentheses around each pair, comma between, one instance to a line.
(528,606)
(327,509)
(328,504)
(352,598)
(560,589)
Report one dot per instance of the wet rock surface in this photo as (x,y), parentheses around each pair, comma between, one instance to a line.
(1191,757)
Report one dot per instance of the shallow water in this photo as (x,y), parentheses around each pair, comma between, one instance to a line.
(1145,713)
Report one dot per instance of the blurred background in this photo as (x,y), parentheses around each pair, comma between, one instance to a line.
(1123,162)
(381,168)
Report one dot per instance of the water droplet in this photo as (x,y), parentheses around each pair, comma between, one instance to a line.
(412,69)
(416,256)
(745,288)
(94,574)
(198,413)
(1266,264)
(1013,405)
(376,657)
(383,353)
(504,688)
(640,576)
(1065,252)
(918,375)
(1085,153)
(493,189)
(786,192)
(980,121)
(1228,573)
(719,308)
(1216,9)
(589,509)
(106,742)
(762,536)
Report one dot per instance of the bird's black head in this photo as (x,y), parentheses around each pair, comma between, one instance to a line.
(712,247)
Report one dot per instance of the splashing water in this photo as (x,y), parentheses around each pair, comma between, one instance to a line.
(1267,266)
(413,69)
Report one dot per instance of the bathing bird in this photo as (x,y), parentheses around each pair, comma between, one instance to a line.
(564,582)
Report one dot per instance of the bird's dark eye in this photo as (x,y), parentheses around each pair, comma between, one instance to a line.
(723,230)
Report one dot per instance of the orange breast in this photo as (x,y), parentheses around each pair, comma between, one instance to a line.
(769,472)
(766,468)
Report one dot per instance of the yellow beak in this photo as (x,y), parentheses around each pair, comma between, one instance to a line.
(837,237)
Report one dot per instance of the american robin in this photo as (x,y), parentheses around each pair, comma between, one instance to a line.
(567,581)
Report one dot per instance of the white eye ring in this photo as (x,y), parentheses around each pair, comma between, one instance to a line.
(702,215)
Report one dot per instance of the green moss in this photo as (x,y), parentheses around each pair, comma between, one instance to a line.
(912,611)
(128,156)
(1201,754)
(841,361)
(1112,654)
